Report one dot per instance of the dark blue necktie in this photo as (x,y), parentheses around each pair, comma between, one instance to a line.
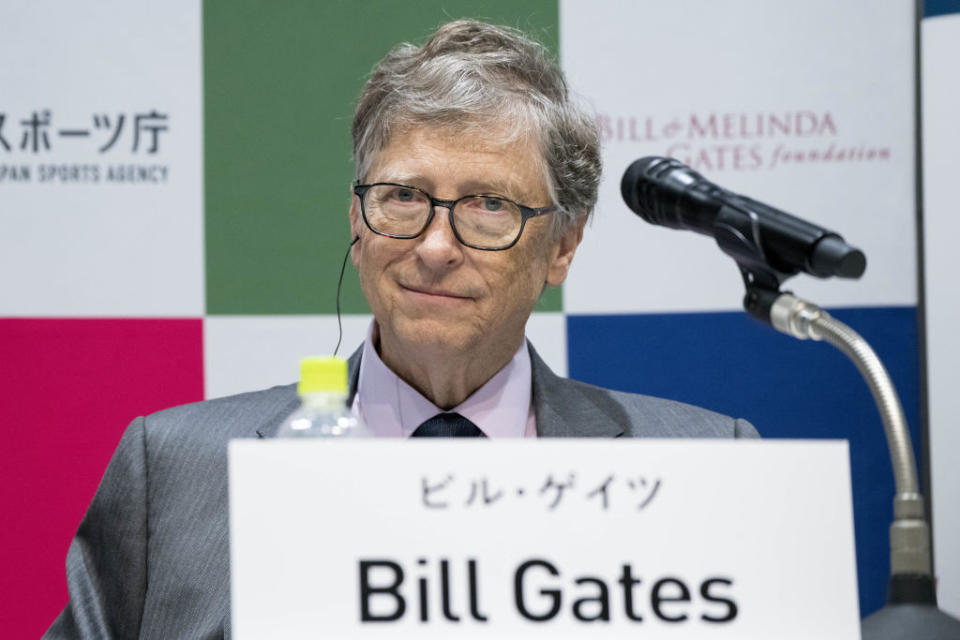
(448,425)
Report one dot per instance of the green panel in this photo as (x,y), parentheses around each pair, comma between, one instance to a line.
(280,83)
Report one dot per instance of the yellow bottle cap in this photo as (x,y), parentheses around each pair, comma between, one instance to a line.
(322,373)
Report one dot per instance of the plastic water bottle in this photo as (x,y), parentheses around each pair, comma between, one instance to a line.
(323,411)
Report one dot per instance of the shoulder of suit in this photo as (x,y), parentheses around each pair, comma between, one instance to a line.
(649,416)
(236,416)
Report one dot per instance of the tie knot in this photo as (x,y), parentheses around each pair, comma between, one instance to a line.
(448,425)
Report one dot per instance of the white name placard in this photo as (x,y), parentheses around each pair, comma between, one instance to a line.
(542,539)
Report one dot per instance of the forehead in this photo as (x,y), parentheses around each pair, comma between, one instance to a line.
(454,162)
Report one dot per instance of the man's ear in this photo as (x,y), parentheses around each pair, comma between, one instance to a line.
(566,245)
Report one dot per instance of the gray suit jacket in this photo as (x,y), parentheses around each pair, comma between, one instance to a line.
(151,557)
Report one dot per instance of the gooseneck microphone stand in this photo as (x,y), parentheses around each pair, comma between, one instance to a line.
(911,610)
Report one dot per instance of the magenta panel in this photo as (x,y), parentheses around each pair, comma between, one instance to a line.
(68,389)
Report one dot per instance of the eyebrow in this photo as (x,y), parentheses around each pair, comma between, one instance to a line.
(505,188)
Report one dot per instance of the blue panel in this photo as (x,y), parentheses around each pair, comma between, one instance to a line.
(788,388)
(940,7)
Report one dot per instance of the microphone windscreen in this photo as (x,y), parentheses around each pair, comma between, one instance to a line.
(635,190)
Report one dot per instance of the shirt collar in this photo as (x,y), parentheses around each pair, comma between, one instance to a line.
(392,408)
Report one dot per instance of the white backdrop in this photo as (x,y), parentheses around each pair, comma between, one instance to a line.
(692,79)
(83,243)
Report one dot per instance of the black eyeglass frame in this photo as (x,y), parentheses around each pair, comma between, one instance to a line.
(525,213)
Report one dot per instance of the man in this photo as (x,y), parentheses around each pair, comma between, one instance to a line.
(475,176)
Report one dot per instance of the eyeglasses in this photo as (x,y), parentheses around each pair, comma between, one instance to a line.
(488,223)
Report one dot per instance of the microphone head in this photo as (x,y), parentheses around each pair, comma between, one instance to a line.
(631,186)
(653,186)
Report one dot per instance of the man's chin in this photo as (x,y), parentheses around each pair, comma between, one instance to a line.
(435,337)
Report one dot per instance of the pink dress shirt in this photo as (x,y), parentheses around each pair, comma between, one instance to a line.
(391,408)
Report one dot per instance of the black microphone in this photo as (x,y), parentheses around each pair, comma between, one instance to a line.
(664,191)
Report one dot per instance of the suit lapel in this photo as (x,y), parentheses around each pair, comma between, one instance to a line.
(563,410)
(353,374)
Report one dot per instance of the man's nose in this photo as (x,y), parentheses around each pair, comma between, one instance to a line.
(438,246)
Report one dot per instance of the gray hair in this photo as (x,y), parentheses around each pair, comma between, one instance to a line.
(469,75)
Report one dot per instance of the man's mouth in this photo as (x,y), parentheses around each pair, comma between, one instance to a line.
(434,292)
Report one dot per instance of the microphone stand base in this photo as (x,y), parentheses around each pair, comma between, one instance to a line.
(911,612)
(921,621)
